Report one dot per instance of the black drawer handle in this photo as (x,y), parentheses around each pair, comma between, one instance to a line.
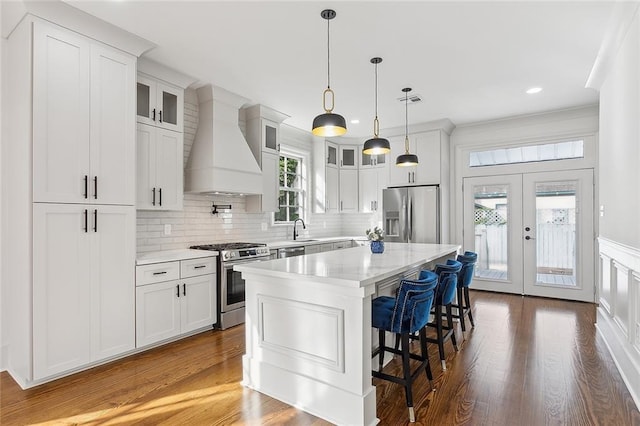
(160,273)
(95,187)
(199,266)
(184,289)
(86,186)
(160,191)
(153,202)
(178,290)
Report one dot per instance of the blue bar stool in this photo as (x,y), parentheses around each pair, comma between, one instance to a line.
(445,295)
(404,315)
(465,277)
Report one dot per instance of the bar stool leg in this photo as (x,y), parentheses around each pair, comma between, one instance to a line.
(425,355)
(461,309)
(453,332)
(407,376)
(440,337)
(381,342)
(468,305)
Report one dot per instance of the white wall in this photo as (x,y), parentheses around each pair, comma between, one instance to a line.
(618,318)
(2,310)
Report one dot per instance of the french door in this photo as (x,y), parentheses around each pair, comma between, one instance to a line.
(533,233)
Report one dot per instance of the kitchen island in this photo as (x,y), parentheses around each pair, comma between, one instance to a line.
(308,325)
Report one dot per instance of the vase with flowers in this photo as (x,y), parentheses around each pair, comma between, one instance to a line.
(376,236)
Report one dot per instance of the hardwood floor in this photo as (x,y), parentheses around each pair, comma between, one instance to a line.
(528,361)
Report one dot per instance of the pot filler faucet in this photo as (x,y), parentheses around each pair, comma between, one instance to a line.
(295,233)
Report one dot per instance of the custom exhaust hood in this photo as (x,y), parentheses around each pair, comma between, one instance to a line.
(221,160)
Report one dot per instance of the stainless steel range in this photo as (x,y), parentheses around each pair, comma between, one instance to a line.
(230,290)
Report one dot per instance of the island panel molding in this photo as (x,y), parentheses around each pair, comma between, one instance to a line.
(297,343)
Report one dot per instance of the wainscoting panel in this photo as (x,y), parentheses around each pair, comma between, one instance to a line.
(619,310)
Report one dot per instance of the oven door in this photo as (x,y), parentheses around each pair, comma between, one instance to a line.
(232,285)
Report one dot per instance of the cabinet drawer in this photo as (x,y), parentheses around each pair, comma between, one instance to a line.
(157,272)
(195,267)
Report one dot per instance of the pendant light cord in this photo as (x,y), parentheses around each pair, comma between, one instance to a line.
(406,122)
(328,57)
(375,122)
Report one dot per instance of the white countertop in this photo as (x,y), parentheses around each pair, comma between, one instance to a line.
(173,255)
(353,267)
(308,241)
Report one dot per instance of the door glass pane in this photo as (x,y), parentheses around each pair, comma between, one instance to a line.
(348,157)
(270,137)
(332,155)
(366,159)
(169,108)
(143,100)
(491,231)
(381,159)
(555,233)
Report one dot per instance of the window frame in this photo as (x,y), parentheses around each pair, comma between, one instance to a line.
(304,158)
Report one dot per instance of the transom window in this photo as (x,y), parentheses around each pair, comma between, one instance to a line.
(291,199)
(527,154)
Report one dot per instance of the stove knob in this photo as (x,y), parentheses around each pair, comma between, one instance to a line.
(226,256)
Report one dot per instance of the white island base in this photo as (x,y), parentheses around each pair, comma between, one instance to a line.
(308,326)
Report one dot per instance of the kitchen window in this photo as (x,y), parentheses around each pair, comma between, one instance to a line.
(292,189)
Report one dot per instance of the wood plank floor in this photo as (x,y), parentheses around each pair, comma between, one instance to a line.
(528,361)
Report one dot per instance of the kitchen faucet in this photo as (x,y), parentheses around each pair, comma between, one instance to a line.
(295,233)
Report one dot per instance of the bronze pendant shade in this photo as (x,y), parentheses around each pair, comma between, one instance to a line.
(376,145)
(329,123)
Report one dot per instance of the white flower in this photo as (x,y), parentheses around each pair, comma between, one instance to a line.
(376,235)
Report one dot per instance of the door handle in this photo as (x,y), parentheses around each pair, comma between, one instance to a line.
(529,238)
(154,114)
(95,187)
(153,201)
(178,290)
(184,289)
(95,220)
(86,219)
(341,205)
(161,116)
(86,186)
(160,191)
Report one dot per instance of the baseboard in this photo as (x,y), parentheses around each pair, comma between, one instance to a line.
(625,357)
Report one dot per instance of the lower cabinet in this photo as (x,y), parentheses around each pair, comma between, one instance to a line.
(83,297)
(171,302)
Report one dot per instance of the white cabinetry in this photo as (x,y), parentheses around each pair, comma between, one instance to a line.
(70,217)
(332,190)
(174,298)
(160,175)
(83,150)
(371,183)
(160,139)
(426,146)
(349,157)
(348,190)
(160,104)
(263,136)
(83,294)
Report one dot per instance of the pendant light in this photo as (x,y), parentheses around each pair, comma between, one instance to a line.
(329,124)
(406,159)
(376,145)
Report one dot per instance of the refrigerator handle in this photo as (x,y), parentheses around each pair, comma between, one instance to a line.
(410,219)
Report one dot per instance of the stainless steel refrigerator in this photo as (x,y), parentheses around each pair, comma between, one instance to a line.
(411,214)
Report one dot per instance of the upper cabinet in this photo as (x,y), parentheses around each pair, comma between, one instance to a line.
(367,161)
(332,154)
(83,125)
(263,136)
(159,103)
(159,173)
(349,156)
(426,146)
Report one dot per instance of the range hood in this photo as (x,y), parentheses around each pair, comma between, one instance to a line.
(221,160)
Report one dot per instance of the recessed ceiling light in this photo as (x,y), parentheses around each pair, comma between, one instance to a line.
(533,90)
(355,121)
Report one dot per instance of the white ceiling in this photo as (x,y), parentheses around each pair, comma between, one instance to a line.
(469,61)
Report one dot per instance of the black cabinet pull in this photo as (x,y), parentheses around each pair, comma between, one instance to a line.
(153,202)
(95,187)
(95,220)
(160,273)
(178,290)
(160,191)
(86,186)
(86,224)
(154,114)
(199,266)
(161,116)
(184,289)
